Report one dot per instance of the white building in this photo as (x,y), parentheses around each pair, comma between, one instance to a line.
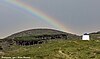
(86,37)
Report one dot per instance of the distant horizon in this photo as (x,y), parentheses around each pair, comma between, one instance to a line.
(43,28)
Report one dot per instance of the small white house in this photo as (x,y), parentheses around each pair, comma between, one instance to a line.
(86,37)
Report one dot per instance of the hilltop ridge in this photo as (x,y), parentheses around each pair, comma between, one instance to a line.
(36,32)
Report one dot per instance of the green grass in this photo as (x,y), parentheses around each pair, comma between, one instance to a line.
(61,49)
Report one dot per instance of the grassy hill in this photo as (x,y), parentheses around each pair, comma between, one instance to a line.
(57,49)
(36,36)
(59,45)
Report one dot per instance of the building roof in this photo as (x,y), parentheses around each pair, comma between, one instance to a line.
(86,34)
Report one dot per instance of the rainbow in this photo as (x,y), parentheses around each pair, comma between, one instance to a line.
(37,13)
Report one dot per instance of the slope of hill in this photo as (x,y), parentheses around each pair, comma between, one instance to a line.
(36,36)
(57,49)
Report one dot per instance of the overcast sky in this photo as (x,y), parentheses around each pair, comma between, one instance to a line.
(80,16)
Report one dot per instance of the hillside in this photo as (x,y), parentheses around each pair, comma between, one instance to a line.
(58,49)
(39,36)
(35,36)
